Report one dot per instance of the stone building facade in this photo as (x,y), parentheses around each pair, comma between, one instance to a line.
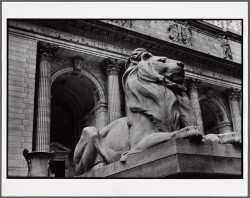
(64,75)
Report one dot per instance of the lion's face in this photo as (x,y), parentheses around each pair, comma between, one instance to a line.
(171,69)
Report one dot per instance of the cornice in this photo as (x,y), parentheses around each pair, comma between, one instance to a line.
(129,39)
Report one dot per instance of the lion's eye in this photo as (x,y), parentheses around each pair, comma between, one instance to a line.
(162,60)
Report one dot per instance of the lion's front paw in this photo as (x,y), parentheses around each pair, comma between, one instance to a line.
(230,138)
(127,154)
(225,138)
(190,132)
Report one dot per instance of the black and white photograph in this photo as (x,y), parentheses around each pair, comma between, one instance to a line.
(123,99)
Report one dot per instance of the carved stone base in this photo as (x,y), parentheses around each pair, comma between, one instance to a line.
(178,159)
(38,163)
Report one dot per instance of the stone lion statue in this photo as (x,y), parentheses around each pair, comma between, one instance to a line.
(158,110)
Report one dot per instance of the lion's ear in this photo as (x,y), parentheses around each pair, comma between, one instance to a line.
(146,56)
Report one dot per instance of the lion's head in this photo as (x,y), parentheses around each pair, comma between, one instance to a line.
(162,66)
(153,87)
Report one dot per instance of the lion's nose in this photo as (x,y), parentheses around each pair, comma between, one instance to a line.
(180,64)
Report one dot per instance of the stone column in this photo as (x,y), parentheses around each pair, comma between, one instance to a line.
(44,98)
(194,99)
(113,67)
(233,96)
(39,160)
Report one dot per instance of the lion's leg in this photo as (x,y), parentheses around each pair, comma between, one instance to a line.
(154,139)
(85,151)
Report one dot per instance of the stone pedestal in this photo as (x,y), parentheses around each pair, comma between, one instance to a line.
(38,163)
(178,159)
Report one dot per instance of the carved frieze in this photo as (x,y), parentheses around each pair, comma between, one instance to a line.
(180,33)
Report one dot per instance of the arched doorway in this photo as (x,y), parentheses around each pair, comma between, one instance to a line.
(214,115)
(73,102)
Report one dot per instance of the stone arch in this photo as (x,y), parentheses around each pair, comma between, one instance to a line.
(100,90)
(219,111)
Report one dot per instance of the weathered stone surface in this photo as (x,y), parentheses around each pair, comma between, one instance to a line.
(180,159)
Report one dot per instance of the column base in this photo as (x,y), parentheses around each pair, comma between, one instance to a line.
(38,163)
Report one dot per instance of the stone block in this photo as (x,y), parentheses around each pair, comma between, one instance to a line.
(31,61)
(30,91)
(17,44)
(30,106)
(15,88)
(178,159)
(16,115)
(15,163)
(17,104)
(28,127)
(32,76)
(29,117)
(18,49)
(14,144)
(32,56)
(27,133)
(28,122)
(16,127)
(15,138)
(17,83)
(32,47)
(15,121)
(30,95)
(30,80)
(16,78)
(30,70)
(15,150)
(28,112)
(28,139)
(17,39)
(14,156)
(18,63)
(15,110)
(17,58)
(18,73)
(14,132)
(27,145)
(18,94)
(15,68)
(19,54)
(32,66)
(28,101)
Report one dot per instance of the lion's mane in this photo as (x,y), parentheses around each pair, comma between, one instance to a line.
(162,101)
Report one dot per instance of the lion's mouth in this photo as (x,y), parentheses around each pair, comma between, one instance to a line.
(177,77)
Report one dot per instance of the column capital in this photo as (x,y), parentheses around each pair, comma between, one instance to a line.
(46,50)
(193,83)
(233,93)
(113,66)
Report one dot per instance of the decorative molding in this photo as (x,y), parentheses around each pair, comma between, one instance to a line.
(120,37)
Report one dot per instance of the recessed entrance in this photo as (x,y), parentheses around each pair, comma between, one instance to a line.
(72,106)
